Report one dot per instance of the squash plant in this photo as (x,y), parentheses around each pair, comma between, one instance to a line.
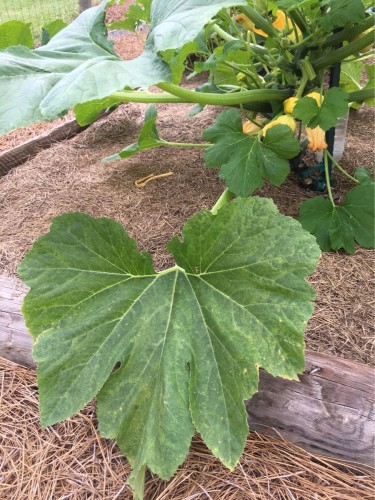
(175,352)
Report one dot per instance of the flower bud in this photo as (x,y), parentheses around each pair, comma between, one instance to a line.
(281,120)
(245,22)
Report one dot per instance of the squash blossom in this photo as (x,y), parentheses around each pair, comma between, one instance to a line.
(289,105)
(280,24)
(281,120)
(316,137)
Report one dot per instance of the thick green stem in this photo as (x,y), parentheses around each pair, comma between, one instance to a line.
(345,34)
(340,54)
(361,95)
(145,97)
(223,34)
(259,21)
(328,182)
(339,167)
(225,198)
(233,99)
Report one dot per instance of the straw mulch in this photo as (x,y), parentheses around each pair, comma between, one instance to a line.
(70,461)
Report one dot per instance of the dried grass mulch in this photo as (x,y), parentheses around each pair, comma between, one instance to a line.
(70,461)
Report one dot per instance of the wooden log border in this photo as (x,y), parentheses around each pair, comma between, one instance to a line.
(330,411)
(20,154)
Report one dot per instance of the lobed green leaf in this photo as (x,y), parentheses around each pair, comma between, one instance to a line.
(246,161)
(172,352)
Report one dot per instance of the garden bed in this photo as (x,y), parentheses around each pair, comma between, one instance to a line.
(68,177)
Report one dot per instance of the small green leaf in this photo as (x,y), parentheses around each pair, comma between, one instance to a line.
(15,33)
(334,106)
(246,162)
(172,352)
(340,226)
(148,137)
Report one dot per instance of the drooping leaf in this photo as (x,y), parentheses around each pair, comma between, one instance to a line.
(177,22)
(246,161)
(148,137)
(334,106)
(77,65)
(186,344)
(340,226)
(340,13)
(15,33)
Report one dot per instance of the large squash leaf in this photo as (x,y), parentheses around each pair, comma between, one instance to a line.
(174,351)
(79,64)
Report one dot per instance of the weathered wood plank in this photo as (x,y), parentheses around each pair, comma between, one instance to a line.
(15,341)
(20,154)
(330,411)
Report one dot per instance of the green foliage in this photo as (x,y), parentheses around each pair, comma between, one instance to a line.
(137,13)
(334,106)
(51,29)
(246,161)
(340,226)
(189,340)
(148,138)
(341,12)
(15,33)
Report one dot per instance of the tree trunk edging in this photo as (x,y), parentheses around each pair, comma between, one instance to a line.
(20,154)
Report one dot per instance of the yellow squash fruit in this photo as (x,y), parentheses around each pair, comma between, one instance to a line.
(365,49)
(318,98)
(289,105)
(281,120)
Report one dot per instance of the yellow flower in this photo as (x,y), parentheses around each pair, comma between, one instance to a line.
(316,137)
(280,24)
(281,120)
(289,104)
(318,98)
(245,22)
